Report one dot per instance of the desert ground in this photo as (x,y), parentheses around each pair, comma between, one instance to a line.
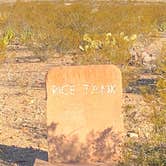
(28,49)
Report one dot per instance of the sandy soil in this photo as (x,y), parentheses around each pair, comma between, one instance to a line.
(23,133)
(23,130)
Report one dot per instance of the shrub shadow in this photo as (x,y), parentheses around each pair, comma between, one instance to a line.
(100,147)
(21,156)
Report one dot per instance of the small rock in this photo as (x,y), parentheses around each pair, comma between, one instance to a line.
(132,134)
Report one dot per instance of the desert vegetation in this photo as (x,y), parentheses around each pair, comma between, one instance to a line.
(64,27)
(99,33)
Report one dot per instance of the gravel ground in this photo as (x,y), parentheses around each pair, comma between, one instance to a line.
(23,133)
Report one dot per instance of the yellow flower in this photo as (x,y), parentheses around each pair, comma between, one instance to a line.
(126,38)
(113,42)
(87,38)
(109,34)
(86,48)
(133,37)
(107,41)
(122,34)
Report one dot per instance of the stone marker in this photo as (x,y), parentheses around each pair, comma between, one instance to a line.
(45,163)
(42,163)
(84,112)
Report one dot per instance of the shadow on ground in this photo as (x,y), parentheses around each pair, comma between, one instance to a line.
(21,156)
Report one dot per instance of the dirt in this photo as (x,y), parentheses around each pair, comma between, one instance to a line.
(23,132)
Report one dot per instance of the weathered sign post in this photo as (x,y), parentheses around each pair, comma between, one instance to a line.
(84,114)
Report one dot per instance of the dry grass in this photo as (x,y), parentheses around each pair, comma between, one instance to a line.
(57,26)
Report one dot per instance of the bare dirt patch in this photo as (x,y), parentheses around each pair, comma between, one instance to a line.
(23,133)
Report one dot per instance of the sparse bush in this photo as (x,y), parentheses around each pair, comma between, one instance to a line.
(151,150)
(55,25)
(4,42)
(6,38)
(112,48)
